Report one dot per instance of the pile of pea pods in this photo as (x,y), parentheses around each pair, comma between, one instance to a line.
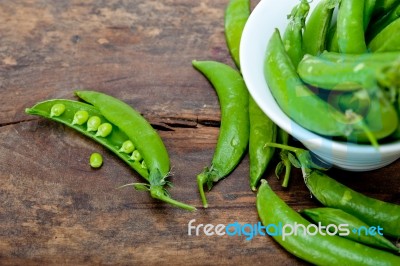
(348,70)
(354,60)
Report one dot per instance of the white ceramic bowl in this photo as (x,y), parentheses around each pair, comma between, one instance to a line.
(267,16)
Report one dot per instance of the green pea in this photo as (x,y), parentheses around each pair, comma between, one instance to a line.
(136,156)
(57,109)
(93,123)
(96,160)
(143,165)
(104,130)
(80,117)
(127,147)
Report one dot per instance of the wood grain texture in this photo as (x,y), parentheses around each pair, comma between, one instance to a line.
(56,210)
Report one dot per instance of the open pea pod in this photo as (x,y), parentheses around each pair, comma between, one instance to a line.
(113,141)
(122,130)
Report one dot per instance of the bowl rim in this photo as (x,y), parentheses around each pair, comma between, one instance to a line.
(247,56)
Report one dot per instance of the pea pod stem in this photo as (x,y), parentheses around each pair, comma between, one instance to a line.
(202,180)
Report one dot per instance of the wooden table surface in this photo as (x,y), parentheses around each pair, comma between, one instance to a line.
(54,209)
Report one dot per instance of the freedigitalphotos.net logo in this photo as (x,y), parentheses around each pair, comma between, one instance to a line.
(249,231)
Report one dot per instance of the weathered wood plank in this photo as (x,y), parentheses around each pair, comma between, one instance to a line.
(54,208)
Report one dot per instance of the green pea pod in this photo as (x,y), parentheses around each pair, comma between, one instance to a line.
(384,57)
(317,249)
(387,39)
(236,14)
(350,27)
(262,130)
(317,25)
(144,137)
(322,73)
(293,35)
(234,131)
(333,194)
(115,139)
(332,39)
(295,98)
(357,230)
(381,23)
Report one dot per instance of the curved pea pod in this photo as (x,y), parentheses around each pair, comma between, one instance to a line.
(112,137)
(317,26)
(293,35)
(295,99)
(262,130)
(357,230)
(113,140)
(350,27)
(316,248)
(233,137)
(322,73)
(387,39)
(236,14)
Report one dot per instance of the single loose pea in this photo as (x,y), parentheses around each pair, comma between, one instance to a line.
(136,156)
(104,130)
(127,147)
(57,109)
(80,117)
(93,123)
(96,160)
